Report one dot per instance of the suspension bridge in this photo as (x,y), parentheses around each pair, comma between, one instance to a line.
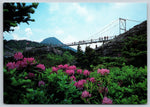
(106,34)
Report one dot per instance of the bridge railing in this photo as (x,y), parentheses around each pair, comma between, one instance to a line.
(100,39)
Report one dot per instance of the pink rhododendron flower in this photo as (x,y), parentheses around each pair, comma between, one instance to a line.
(20,64)
(70,72)
(85,94)
(41,83)
(65,66)
(11,65)
(80,83)
(29,60)
(41,66)
(31,75)
(86,73)
(18,55)
(84,81)
(106,100)
(75,84)
(79,71)
(103,71)
(73,67)
(73,77)
(60,66)
(55,69)
(25,77)
(92,79)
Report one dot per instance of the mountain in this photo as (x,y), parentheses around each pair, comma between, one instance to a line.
(55,41)
(20,44)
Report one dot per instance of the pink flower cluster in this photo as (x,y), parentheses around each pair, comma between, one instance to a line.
(18,55)
(11,65)
(73,78)
(30,61)
(107,101)
(80,84)
(55,69)
(41,66)
(86,73)
(79,71)
(31,75)
(22,63)
(41,83)
(92,79)
(85,94)
(73,67)
(103,71)
(70,72)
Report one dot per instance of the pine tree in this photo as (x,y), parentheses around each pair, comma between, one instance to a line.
(135,50)
(79,56)
(15,13)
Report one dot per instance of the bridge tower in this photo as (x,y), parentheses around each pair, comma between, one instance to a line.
(122,25)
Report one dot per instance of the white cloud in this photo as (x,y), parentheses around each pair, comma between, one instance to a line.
(59,32)
(16,37)
(28,31)
(83,11)
(16,28)
(69,10)
(69,39)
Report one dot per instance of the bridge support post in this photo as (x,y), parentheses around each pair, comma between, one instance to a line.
(122,25)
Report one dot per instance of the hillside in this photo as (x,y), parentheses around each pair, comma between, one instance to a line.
(132,45)
(114,47)
(20,44)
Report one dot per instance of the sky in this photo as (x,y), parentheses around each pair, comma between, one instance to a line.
(72,22)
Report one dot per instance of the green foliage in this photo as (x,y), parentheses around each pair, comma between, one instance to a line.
(15,13)
(135,50)
(61,91)
(50,59)
(111,61)
(89,57)
(14,86)
(128,85)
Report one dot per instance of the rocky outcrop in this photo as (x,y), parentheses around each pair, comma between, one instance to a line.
(113,47)
(32,51)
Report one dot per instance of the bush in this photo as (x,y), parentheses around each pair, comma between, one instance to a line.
(27,82)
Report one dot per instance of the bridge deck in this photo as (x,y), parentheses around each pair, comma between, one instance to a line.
(105,39)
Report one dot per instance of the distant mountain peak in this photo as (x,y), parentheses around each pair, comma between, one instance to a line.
(55,41)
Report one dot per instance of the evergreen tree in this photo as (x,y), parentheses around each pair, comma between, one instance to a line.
(135,50)
(90,57)
(15,13)
(79,56)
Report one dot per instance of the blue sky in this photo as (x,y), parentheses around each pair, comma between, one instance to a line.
(70,22)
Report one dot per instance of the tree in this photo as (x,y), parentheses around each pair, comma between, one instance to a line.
(15,13)
(90,57)
(79,56)
(135,50)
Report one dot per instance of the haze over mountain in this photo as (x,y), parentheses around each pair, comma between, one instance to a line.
(55,41)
